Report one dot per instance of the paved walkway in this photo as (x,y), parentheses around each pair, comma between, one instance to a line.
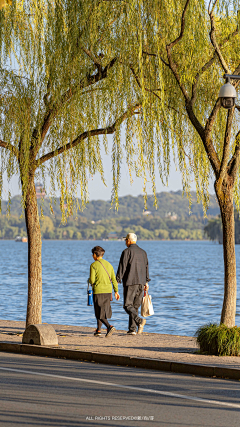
(173,348)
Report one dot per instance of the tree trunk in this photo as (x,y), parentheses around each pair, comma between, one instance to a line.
(34,305)
(225,199)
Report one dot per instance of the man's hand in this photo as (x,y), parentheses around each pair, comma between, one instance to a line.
(117,296)
(146,287)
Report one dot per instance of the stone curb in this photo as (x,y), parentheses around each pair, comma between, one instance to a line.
(134,362)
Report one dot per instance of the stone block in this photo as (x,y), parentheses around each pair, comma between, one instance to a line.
(40,335)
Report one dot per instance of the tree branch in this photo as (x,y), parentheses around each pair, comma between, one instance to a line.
(155,55)
(90,54)
(53,111)
(215,44)
(103,131)
(173,68)
(212,117)
(10,147)
(149,54)
(205,136)
(233,165)
(207,142)
(145,88)
(226,146)
(236,72)
(209,5)
(136,77)
(208,64)
(182,26)
(172,64)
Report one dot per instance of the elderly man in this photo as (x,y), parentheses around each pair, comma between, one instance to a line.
(133,272)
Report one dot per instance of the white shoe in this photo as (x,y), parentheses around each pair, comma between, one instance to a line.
(131,333)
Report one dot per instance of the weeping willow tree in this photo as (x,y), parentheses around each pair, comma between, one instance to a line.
(185,47)
(64,82)
(74,70)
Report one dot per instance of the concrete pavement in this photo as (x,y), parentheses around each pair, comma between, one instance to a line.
(148,350)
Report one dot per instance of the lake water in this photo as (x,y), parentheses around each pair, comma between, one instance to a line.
(186,283)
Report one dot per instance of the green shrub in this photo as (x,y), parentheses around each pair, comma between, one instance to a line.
(219,340)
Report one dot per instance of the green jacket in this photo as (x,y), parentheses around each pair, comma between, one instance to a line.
(100,279)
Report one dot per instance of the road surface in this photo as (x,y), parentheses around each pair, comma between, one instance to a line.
(40,391)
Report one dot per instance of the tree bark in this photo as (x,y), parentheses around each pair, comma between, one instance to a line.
(34,304)
(225,199)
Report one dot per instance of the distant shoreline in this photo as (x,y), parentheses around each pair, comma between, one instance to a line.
(113,240)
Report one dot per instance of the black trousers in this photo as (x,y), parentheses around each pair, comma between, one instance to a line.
(132,301)
(102,308)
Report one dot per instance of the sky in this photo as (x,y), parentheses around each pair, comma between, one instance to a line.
(97,190)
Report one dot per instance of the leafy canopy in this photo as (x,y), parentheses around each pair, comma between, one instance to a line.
(74,70)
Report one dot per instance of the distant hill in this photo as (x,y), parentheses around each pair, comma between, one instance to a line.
(99,221)
(169,203)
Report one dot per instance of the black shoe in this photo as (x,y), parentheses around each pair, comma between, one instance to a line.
(141,326)
(131,333)
(110,331)
(97,333)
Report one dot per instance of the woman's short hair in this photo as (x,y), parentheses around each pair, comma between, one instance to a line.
(98,251)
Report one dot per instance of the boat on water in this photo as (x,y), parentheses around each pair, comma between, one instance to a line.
(21,239)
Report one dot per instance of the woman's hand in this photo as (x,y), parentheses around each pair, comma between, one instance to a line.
(146,287)
(117,296)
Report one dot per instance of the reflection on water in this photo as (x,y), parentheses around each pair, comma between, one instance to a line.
(186,283)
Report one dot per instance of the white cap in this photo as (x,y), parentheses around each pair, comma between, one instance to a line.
(131,236)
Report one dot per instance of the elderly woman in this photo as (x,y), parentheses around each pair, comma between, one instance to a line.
(102,278)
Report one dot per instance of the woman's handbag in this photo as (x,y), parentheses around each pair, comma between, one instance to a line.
(147,307)
(90,295)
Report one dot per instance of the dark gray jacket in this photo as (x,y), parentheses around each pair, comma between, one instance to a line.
(133,267)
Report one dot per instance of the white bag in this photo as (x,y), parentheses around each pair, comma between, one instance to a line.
(147,307)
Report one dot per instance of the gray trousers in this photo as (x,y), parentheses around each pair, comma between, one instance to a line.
(132,300)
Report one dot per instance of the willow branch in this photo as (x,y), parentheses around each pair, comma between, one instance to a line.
(103,131)
(88,80)
(169,47)
(136,77)
(182,26)
(236,83)
(212,117)
(209,5)
(172,64)
(233,165)
(215,44)
(212,154)
(192,117)
(90,54)
(207,142)
(209,63)
(10,147)
(236,72)
(149,54)
(205,137)
(155,55)
(153,91)
(226,146)
(54,110)
(46,96)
